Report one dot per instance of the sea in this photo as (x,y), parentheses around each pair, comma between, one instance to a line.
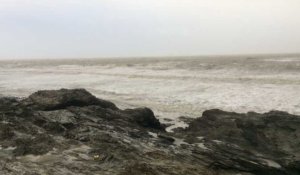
(171,86)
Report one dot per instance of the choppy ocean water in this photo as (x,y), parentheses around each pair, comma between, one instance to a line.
(172,87)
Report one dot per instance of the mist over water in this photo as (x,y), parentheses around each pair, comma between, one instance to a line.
(172,87)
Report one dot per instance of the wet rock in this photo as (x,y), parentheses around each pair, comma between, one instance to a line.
(140,168)
(259,143)
(5,132)
(60,99)
(144,117)
(7,103)
(165,138)
(73,132)
(185,119)
(39,145)
(60,116)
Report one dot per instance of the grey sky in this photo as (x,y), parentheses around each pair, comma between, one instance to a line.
(113,28)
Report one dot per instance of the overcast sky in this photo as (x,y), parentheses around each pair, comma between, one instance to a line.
(124,28)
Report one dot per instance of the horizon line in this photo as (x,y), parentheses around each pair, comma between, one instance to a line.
(154,56)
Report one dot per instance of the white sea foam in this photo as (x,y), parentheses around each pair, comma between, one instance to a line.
(171,87)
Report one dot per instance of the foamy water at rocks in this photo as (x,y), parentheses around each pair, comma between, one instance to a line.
(172,87)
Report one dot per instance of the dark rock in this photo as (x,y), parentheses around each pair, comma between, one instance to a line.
(5,132)
(273,136)
(41,144)
(73,132)
(60,116)
(56,121)
(185,119)
(144,117)
(165,138)
(140,168)
(60,99)
(7,103)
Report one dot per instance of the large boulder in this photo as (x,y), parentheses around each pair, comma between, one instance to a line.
(144,117)
(268,142)
(274,131)
(60,99)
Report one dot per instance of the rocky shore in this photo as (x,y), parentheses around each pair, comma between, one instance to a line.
(66,132)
